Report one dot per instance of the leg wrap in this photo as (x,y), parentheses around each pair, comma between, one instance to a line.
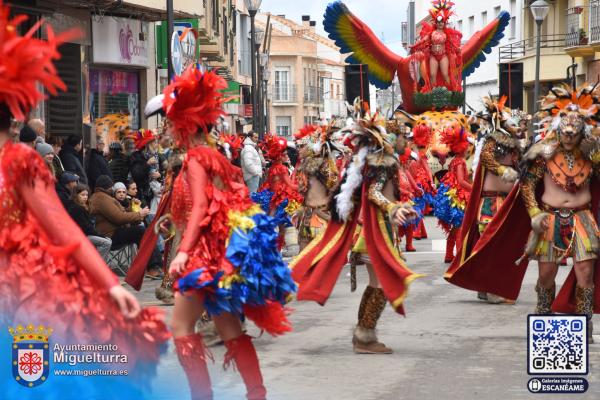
(545,298)
(585,305)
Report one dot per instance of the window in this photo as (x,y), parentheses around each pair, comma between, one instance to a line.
(483,18)
(513,19)
(215,16)
(282,84)
(460,26)
(115,94)
(283,126)
(496,11)
(471,25)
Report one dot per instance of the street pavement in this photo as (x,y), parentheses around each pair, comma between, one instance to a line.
(449,346)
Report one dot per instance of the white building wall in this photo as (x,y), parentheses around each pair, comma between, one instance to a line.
(484,80)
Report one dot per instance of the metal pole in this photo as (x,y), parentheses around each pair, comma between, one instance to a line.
(258,94)
(169,35)
(253,60)
(536,90)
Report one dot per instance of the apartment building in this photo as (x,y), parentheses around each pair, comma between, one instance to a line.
(306,75)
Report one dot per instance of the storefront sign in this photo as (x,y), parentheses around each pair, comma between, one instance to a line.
(113,82)
(117,41)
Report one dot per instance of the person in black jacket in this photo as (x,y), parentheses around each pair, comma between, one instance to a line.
(71,157)
(119,163)
(96,164)
(80,213)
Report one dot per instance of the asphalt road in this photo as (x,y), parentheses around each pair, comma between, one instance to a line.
(450,345)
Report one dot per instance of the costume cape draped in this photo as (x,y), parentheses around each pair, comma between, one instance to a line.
(135,274)
(318,267)
(487,263)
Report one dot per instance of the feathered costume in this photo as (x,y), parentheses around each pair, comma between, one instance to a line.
(50,273)
(494,217)
(233,262)
(354,37)
(318,267)
(453,192)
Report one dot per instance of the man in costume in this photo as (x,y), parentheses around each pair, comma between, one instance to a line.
(563,170)
(369,191)
(317,175)
(495,177)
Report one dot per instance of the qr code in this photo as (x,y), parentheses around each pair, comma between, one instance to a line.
(557,344)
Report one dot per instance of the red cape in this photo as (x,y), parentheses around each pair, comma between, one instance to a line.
(488,263)
(318,267)
(135,274)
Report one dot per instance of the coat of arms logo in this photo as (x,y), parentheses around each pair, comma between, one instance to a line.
(30,354)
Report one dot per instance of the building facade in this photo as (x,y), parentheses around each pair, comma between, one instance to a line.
(305,76)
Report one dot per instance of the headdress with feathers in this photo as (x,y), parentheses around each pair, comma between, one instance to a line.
(500,116)
(563,101)
(231,144)
(27,63)
(193,102)
(441,10)
(274,147)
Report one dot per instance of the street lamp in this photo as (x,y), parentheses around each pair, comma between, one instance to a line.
(259,35)
(539,10)
(253,6)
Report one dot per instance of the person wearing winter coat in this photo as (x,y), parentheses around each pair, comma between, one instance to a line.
(71,157)
(119,163)
(252,166)
(96,164)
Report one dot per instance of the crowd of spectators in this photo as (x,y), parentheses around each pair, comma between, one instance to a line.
(111,191)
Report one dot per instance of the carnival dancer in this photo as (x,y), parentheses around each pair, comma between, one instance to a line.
(317,175)
(227,263)
(369,188)
(419,169)
(455,187)
(50,274)
(563,167)
(279,192)
(438,50)
(495,178)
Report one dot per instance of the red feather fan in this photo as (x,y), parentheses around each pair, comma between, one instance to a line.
(306,130)
(193,103)
(422,136)
(26,63)
(457,139)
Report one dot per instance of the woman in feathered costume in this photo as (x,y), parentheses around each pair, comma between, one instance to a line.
(227,263)
(50,274)
(279,194)
(455,187)
(369,191)
(438,49)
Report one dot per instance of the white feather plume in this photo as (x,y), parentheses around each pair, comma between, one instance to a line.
(354,178)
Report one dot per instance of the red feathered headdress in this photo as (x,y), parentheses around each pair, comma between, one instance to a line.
(193,102)
(142,137)
(456,138)
(422,136)
(405,156)
(234,142)
(274,147)
(441,10)
(26,63)
(306,130)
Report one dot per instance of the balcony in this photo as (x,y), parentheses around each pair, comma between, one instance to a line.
(313,95)
(576,39)
(550,44)
(594,26)
(283,94)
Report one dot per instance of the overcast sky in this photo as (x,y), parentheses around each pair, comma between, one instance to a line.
(382,16)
